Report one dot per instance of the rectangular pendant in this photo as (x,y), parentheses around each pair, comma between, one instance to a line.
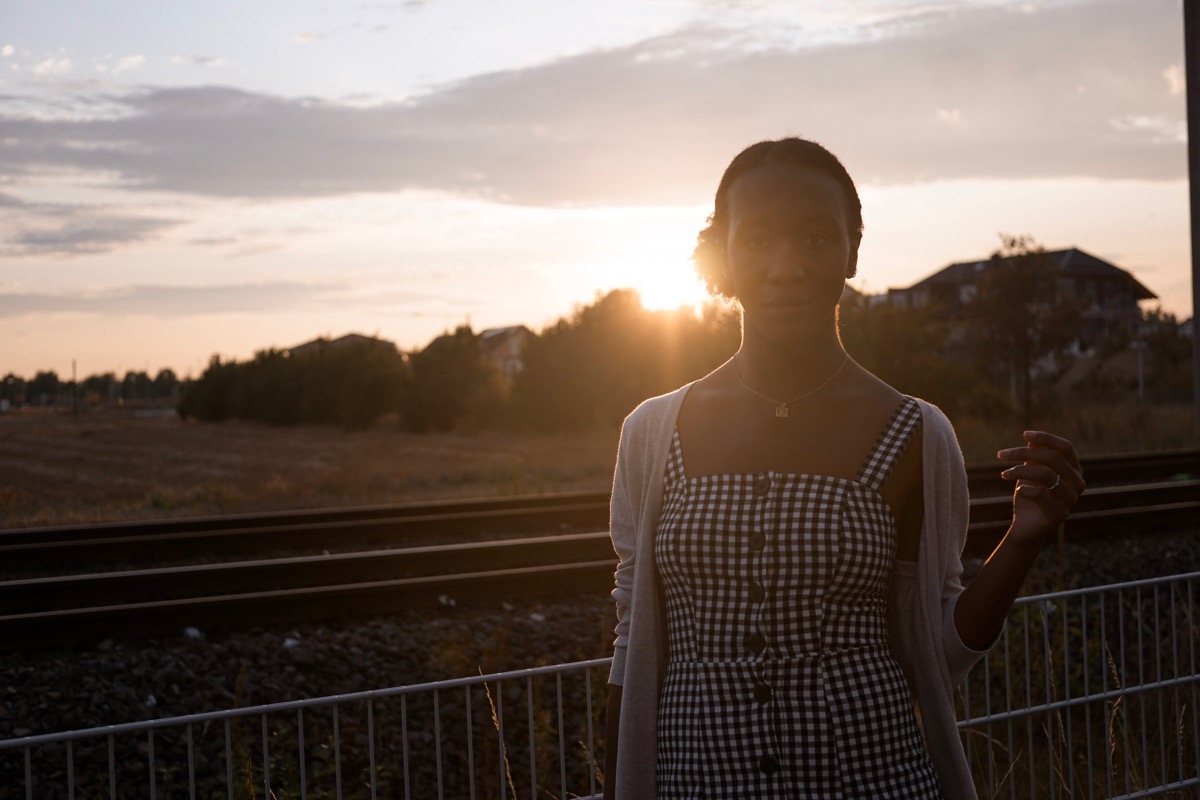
(781,410)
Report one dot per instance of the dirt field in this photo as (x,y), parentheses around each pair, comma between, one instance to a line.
(110,466)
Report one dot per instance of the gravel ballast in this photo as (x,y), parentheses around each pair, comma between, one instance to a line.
(114,681)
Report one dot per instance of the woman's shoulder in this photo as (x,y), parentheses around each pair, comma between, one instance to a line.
(655,409)
(933,419)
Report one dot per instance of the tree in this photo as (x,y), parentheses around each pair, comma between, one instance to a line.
(166,383)
(1169,354)
(99,388)
(909,348)
(43,389)
(595,366)
(447,381)
(1021,320)
(12,389)
(135,386)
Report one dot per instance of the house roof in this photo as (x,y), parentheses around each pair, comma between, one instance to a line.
(341,341)
(1072,262)
(502,333)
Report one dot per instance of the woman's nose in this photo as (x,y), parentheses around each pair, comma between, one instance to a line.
(787,262)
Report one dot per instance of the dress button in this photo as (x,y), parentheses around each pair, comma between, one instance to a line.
(768,765)
(762,693)
(758,540)
(757,593)
(762,485)
(756,643)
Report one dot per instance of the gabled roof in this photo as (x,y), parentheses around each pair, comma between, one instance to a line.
(502,333)
(494,339)
(1072,262)
(341,341)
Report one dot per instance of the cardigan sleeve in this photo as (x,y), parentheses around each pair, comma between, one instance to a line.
(953,515)
(622,524)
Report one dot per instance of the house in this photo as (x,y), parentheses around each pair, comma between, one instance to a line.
(502,347)
(1110,295)
(342,341)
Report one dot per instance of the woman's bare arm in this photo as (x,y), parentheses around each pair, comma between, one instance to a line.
(1049,482)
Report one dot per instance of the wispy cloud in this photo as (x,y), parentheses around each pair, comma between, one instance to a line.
(128,64)
(969,92)
(199,61)
(53,67)
(170,301)
(61,229)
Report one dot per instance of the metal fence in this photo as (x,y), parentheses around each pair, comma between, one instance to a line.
(1089,693)
(526,733)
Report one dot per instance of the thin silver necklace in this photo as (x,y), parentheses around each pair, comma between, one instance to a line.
(781,406)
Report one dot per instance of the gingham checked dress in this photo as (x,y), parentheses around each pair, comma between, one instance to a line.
(779,681)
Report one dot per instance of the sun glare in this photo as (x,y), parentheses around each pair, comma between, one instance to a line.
(664,279)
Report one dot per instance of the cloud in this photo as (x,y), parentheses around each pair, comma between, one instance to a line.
(128,64)
(1156,130)
(1176,81)
(60,229)
(1047,92)
(199,61)
(7,50)
(53,67)
(170,301)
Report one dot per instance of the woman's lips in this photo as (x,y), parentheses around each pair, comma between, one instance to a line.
(786,302)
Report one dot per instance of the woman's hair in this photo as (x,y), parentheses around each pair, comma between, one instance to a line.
(709,255)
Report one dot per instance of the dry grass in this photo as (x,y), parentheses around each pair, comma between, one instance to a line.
(55,468)
(1098,429)
(108,466)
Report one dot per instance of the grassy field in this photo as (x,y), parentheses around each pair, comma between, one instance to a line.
(108,466)
(55,468)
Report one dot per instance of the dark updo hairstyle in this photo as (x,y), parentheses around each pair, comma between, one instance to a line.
(709,255)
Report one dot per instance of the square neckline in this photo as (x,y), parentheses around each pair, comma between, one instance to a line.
(907,407)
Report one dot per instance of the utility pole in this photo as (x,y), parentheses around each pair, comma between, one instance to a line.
(1191,58)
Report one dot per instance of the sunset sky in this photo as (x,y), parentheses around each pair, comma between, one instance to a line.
(185,178)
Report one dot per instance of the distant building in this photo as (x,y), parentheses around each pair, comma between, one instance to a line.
(341,341)
(1110,294)
(503,348)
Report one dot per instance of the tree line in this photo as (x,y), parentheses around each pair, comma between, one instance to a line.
(589,368)
(46,388)
(1003,354)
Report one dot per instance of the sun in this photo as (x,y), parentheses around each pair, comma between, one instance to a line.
(663,277)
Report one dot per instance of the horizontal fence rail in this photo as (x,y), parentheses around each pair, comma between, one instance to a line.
(525,733)
(1089,693)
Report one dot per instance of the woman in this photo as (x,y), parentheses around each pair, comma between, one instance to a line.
(791,621)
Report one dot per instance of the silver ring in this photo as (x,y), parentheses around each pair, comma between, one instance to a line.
(1056,483)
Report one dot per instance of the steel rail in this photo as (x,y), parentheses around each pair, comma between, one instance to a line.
(70,608)
(401,525)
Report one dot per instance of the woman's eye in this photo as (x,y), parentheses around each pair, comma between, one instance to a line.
(815,239)
(755,241)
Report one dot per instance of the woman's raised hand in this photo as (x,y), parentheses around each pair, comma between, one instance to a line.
(1048,481)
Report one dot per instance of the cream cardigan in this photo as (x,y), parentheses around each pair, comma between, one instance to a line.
(921,628)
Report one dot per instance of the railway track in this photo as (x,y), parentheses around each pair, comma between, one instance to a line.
(159,542)
(59,608)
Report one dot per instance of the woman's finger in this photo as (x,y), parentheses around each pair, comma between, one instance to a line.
(1036,473)
(1042,439)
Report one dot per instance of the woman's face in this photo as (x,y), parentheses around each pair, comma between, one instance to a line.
(789,250)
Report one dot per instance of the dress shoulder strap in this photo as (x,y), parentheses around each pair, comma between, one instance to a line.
(674,472)
(890,445)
